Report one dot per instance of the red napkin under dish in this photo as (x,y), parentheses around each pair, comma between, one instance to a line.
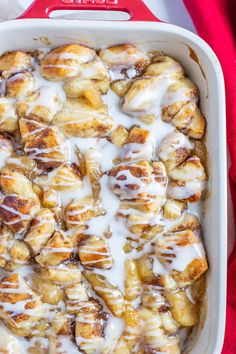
(215,21)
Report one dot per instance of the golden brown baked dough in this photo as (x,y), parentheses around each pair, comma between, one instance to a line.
(41,229)
(62,274)
(20,85)
(140,182)
(138,146)
(78,212)
(29,128)
(174,149)
(187,181)
(124,61)
(48,149)
(8,116)
(58,249)
(15,182)
(49,293)
(132,280)
(80,119)
(81,180)
(20,308)
(94,252)
(62,324)
(6,150)
(110,293)
(17,212)
(89,327)
(65,177)
(65,62)
(77,88)
(14,62)
(183,255)
(163,65)
(40,106)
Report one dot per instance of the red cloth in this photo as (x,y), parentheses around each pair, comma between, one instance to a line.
(215,21)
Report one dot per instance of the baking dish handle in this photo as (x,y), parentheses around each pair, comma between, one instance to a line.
(137,10)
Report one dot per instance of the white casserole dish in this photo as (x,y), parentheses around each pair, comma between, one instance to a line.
(202,66)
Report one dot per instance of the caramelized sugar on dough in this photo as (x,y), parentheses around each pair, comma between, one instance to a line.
(98,249)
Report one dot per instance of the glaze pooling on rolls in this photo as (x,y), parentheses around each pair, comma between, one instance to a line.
(102,164)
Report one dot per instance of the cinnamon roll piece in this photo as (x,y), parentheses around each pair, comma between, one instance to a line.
(16,183)
(77,88)
(124,61)
(29,128)
(140,183)
(89,327)
(94,252)
(110,293)
(143,100)
(132,332)
(18,255)
(174,149)
(63,178)
(65,62)
(62,324)
(48,149)
(142,226)
(22,164)
(119,136)
(6,150)
(78,212)
(41,229)
(183,255)
(40,106)
(14,62)
(8,116)
(132,280)
(20,85)
(20,307)
(59,248)
(50,293)
(178,94)
(173,209)
(64,273)
(164,66)
(184,311)
(17,212)
(79,118)
(138,146)
(187,180)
